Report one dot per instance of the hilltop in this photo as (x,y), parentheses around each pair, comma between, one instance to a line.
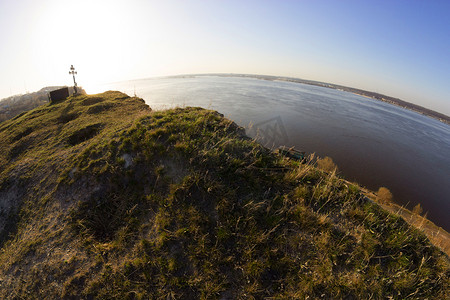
(101,197)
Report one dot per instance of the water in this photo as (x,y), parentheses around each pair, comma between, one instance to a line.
(372,142)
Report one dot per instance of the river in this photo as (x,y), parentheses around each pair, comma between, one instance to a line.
(372,142)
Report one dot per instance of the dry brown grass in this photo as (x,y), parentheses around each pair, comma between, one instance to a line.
(437,235)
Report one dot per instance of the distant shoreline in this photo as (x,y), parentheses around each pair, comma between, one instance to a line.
(391,100)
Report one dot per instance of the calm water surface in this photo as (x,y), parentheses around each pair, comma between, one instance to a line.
(372,142)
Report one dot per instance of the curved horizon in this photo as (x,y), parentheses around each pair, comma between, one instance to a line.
(393,48)
(297,80)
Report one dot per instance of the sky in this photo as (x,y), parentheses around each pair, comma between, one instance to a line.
(397,48)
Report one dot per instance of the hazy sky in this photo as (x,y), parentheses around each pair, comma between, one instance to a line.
(398,48)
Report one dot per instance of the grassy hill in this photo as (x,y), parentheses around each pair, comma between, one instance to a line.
(14,105)
(100,197)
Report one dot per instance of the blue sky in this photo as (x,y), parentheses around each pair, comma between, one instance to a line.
(398,48)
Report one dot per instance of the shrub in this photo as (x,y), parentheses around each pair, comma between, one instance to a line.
(417,209)
(326,164)
(384,195)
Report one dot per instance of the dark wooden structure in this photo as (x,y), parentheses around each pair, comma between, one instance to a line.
(58,95)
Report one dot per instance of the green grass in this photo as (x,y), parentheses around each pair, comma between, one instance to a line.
(121,202)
